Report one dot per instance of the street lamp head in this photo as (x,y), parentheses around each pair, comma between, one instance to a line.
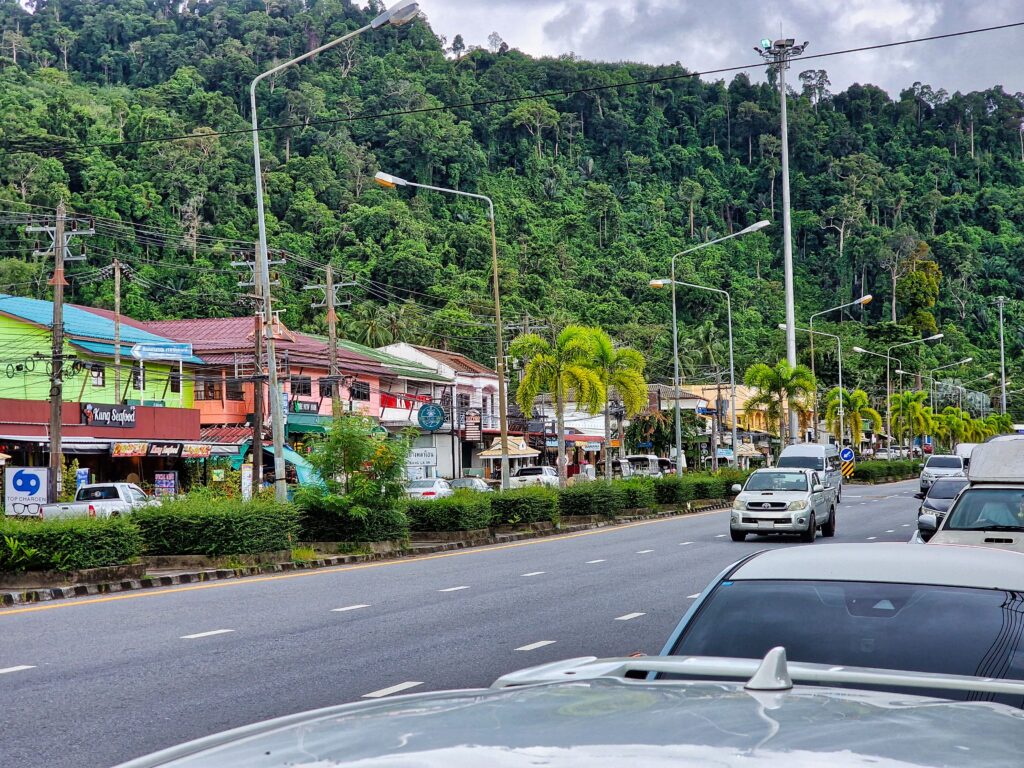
(860,350)
(659,283)
(754,227)
(389,181)
(400,13)
(865,299)
(965,361)
(936,337)
(782,326)
(901,372)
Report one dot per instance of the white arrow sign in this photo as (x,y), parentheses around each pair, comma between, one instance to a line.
(162,351)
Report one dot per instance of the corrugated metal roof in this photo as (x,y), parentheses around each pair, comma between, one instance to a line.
(78,321)
(407,369)
(456,361)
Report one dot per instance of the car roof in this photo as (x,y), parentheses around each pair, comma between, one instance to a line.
(781,470)
(1001,462)
(807,450)
(946,565)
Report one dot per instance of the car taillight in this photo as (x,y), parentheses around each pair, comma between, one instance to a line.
(92,511)
(430,493)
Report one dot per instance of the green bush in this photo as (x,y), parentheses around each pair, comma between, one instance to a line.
(211,526)
(637,492)
(68,545)
(877,470)
(672,489)
(334,517)
(591,498)
(524,505)
(465,511)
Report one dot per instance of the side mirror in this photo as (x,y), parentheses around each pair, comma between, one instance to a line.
(736,487)
(819,488)
(919,495)
(927,525)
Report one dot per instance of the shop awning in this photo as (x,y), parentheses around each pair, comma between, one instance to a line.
(303,469)
(79,445)
(517,449)
(307,423)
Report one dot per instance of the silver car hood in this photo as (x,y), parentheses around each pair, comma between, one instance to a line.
(608,722)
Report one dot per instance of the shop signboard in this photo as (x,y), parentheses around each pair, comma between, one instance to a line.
(304,406)
(246,482)
(128,450)
(108,415)
(218,475)
(195,451)
(431,417)
(165,483)
(378,433)
(551,442)
(473,424)
(422,457)
(25,490)
(172,351)
(81,477)
(592,447)
(165,450)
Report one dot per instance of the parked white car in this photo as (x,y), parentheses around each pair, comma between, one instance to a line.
(940,466)
(783,501)
(99,500)
(525,476)
(430,488)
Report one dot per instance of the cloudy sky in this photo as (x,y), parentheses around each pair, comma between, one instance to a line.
(706,34)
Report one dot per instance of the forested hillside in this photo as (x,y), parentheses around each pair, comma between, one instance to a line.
(913,197)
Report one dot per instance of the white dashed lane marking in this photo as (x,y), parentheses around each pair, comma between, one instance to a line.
(393,689)
(535,646)
(872,538)
(644,551)
(591,562)
(453,589)
(685,543)
(19,668)
(533,573)
(720,536)
(350,608)
(629,616)
(211,633)
(691,597)
(891,530)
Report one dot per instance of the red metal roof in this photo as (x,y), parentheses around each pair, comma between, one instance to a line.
(225,435)
(454,360)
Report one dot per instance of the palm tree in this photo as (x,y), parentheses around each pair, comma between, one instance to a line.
(370,324)
(955,424)
(910,415)
(1000,423)
(622,369)
(564,370)
(778,388)
(856,410)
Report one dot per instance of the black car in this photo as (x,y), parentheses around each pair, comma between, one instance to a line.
(939,497)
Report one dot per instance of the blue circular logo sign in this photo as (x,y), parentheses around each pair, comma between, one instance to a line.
(431,417)
(25,482)
(846,454)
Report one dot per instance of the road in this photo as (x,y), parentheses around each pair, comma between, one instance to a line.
(94,681)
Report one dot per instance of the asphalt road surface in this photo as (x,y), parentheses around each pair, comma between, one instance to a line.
(90,682)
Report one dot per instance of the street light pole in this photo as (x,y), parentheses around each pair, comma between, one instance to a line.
(400,13)
(1001,302)
(933,371)
(865,299)
(389,181)
(779,53)
(675,340)
(839,358)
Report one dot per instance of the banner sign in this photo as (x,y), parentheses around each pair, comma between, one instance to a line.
(128,450)
(107,415)
(25,490)
(81,477)
(165,483)
(195,451)
(246,482)
(422,457)
(473,424)
(165,450)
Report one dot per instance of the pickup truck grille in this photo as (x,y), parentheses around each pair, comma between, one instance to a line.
(767,506)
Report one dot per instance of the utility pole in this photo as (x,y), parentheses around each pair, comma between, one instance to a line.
(779,54)
(60,238)
(1001,302)
(330,300)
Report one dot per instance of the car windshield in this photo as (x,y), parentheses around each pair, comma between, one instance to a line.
(463,482)
(946,489)
(988,509)
(801,462)
(924,628)
(944,462)
(422,484)
(777,481)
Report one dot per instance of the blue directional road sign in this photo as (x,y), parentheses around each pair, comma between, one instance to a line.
(162,351)
(846,454)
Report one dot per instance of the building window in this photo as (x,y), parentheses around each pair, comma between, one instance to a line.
(175,382)
(98,374)
(359,390)
(326,387)
(208,389)
(302,385)
(138,377)
(233,390)
(463,403)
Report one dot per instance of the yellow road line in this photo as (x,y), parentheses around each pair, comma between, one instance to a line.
(157,591)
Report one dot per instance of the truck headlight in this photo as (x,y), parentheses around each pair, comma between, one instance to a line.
(795,505)
(737,504)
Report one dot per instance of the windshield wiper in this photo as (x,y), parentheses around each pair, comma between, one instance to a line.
(1018,528)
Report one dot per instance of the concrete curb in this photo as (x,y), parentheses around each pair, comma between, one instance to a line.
(29,596)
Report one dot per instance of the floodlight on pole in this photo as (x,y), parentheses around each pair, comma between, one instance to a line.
(398,14)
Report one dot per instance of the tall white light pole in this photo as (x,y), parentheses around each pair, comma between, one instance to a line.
(839,357)
(1001,302)
(779,54)
(862,301)
(933,371)
(389,181)
(397,15)
(675,340)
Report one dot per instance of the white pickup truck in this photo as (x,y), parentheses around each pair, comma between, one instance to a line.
(525,476)
(99,500)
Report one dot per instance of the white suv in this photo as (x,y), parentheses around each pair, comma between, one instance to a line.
(940,466)
(783,501)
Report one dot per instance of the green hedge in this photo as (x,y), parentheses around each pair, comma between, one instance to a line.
(672,489)
(67,545)
(637,492)
(877,470)
(330,517)
(465,511)
(216,527)
(591,498)
(525,505)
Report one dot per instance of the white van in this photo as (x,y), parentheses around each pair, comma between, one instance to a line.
(964,451)
(644,465)
(823,459)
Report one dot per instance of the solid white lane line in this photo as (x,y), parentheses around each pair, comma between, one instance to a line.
(629,616)
(349,608)
(19,668)
(206,634)
(535,646)
(393,689)
(533,573)
(591,562)
(691,597)
(644,551)
(452,589)
(684,543)
(872,538)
